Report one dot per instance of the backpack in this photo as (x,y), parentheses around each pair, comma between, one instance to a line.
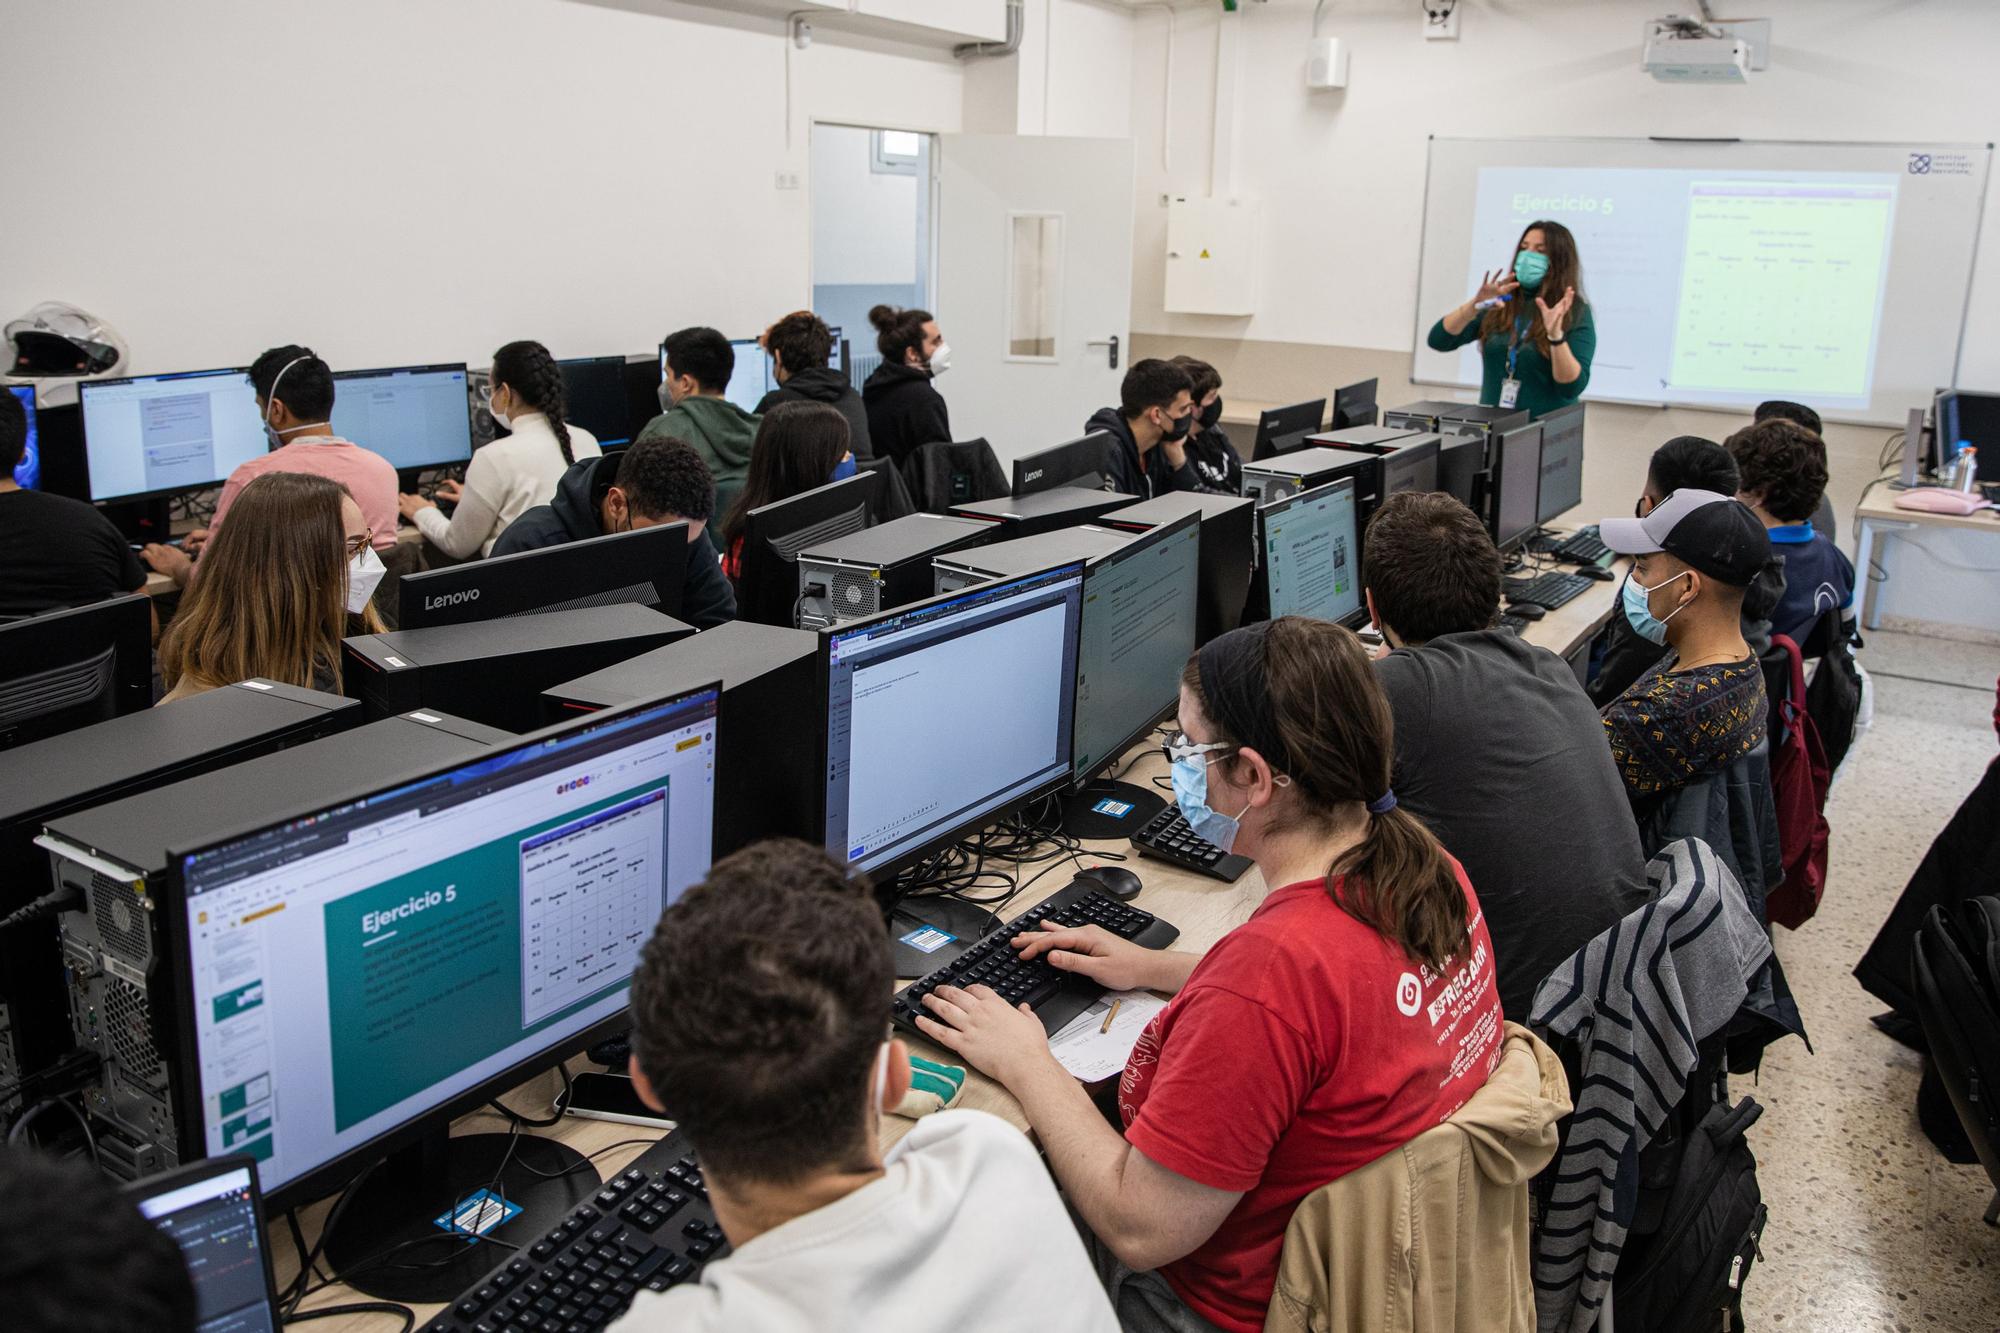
(1695,1226)
(1834,699)
(1799,781)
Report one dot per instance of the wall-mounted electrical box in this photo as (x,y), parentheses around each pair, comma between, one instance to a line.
(1211,256)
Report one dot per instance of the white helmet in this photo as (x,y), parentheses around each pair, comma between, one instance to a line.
(55,345)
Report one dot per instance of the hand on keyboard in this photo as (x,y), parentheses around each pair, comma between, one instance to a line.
(1090,951)
(999,1039)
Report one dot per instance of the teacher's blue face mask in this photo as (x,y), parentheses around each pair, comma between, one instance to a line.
(1531,266)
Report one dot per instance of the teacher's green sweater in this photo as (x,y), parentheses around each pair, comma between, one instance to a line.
(1539,391)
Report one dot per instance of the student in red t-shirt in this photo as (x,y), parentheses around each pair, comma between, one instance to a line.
(1355,1008)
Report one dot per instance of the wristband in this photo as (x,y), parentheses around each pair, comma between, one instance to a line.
(1558,342)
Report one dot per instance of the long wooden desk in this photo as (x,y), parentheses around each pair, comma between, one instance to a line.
(1204,909)
(1878,520)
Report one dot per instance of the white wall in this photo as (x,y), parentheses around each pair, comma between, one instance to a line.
(392,181)
(864,221)
(1072,76)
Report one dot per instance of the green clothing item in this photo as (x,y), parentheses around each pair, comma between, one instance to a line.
(720,431)
(1539,391)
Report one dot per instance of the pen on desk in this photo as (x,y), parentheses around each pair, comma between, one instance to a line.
(1109,1015)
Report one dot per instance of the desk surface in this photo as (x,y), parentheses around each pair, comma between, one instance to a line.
(1879,505)
(1204,909)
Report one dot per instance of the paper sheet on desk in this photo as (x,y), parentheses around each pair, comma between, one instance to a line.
(1090,1055)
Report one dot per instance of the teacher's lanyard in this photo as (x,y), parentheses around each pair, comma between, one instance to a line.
(1510,388)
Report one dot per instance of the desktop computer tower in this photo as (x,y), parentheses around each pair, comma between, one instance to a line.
(121,973)
(1307,469)
(1044,511)
(879,568)
(766,770)
(1228,546)
(1456,418)
(494,671)
(1365,439)
(90,766)
(1025,555)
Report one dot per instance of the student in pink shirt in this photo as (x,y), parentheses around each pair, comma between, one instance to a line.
(295,396)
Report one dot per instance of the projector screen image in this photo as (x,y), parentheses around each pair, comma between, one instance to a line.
(1720,276)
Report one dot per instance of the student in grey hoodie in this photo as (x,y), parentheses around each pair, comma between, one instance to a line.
(699,364)
(801,345)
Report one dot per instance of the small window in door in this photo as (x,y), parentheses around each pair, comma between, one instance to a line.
(896,152)
(1034,285)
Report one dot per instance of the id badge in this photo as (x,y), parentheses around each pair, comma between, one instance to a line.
(1510,391)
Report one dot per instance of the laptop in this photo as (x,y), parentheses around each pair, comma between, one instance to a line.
(214,1211)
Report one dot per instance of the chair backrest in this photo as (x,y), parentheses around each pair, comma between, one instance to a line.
(1957,1005)
(942,475)
(68,669)
(892,498)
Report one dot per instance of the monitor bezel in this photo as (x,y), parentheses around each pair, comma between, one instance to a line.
(1141,542)
(1575,410)
(1106,442)
(87,388)
(345,1166)
(1497,487)
(203,1169)
(1359,615)
(882,875)
(672,589)
(444,366)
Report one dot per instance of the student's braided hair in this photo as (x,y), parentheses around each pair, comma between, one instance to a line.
(527,368)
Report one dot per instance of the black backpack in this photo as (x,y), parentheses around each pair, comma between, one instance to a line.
(1695,1224)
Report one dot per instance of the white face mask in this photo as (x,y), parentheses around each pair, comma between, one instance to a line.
(502,419)
(941,358)
(272,435)
(364,571)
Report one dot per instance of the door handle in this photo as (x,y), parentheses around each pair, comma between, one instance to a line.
(1111,342)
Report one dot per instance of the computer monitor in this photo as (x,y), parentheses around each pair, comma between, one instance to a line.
(28,472)
(417,417)
(1354,406)
(1413,467)
(1140,626)
(1514,485)
(1561,487)
(767,589)
(215,1213)
(641,387)
(150,435)
(647,566)
(347,980)
(1309,555)
(750,380)
(594,387)
(1084,463)
(899,687)
(68,669)
(1283,428)
(1964,417)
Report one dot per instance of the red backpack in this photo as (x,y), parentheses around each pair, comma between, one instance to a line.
(1799,779)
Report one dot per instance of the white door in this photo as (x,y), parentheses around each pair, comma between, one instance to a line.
(1034,284)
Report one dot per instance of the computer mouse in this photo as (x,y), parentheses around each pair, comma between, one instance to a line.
(1598,572)
(1527,611)
(1117,881)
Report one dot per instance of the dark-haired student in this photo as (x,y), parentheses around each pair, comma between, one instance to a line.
(77,1255)
(800,345)
(1782,469)
(56,552)
(510,476)
(799,446)
(1352,1011)
(1150,427)
(760,1010)
(1798,413)
(658,480)
(1498,750)
(699,364)
(905,410)
(1215,459)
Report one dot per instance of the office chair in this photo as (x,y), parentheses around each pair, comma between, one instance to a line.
(68,669)
(892,498)
(1956,973)
(942,475)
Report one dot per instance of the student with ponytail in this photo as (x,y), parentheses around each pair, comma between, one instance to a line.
(1352,1011)
(510,476)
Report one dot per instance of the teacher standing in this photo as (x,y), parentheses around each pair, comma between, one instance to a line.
(1532,323)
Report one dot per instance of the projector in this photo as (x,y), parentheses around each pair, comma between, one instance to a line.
(1690,50)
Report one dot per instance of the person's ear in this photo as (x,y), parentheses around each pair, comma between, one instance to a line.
(897,1084)
(642,1085)
(1374,616)
(614,508)
(1253,772)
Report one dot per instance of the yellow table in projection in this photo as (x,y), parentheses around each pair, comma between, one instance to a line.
(1781,286)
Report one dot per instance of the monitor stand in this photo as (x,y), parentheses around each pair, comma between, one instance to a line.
(926,932)
(1104,810)
(400,1200)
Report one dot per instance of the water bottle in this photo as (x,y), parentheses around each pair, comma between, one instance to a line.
(1965,468)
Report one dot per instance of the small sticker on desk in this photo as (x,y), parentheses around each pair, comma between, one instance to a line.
(928,939)
(478,1214)
(1116,809)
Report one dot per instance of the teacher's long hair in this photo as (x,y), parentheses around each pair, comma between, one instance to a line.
(1565,271)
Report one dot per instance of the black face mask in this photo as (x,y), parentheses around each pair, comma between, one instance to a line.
(1177,427)
(1211,415)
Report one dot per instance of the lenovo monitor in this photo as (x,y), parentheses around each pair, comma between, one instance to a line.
(646,565)
(767,588)
(1283,428)
(1084,463)
(1309,555)
(67,669)
(594,394)
(1354,406)
(1514,483)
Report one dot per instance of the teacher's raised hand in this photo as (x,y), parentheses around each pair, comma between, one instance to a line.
(1553,315)
(1497,286)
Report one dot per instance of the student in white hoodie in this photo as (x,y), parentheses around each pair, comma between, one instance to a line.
(509,476)
(760,1007)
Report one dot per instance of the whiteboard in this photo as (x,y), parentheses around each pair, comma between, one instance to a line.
(1721,273)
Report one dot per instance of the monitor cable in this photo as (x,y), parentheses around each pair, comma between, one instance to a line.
(403,1312)
(529,1121)
(29,1116)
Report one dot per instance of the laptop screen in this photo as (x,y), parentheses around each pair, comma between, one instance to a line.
(214,1216)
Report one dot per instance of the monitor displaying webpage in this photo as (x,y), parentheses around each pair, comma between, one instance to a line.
(948,711)
(214,1221)
(160,433)
(1138,632)
(356,968)
(416,418)
(1311,552)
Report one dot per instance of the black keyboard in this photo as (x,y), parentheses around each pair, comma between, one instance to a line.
(1582,547)
(649,1227)
(1548,590)
(1056,997)
(1167,837)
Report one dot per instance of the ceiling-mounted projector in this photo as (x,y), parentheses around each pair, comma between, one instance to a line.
(1683,49)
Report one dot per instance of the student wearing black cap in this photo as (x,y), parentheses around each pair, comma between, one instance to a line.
(1702,705)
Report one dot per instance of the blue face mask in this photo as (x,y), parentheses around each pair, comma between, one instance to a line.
(1191,794)
(844,469)
(1639,609)
(1531,266)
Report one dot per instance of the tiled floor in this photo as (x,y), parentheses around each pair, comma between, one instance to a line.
(1870,1228)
